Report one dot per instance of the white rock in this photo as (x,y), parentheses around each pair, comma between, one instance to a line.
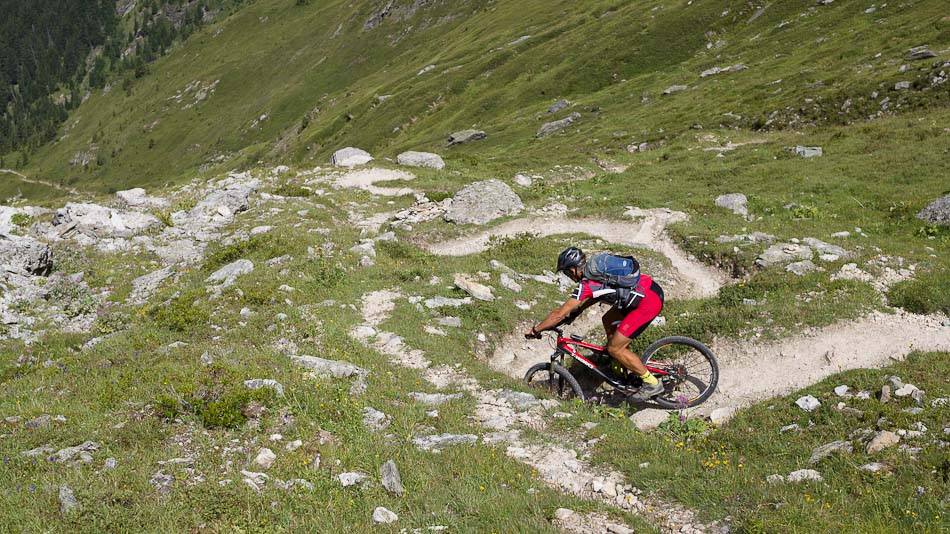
(720,416)
(350,157)
(421,159)
(384,516)
(775,479)
(842,391)
(905,391)
(473,288)
(351,478)
(803,475)
(808,403)
(265,458)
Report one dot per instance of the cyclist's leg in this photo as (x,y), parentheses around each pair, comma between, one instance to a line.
(612,320)
(632,325)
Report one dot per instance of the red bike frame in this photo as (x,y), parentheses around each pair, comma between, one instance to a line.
(565,345)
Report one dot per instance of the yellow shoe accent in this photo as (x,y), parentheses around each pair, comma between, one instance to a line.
(648,378)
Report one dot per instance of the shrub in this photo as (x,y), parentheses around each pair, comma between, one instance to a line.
(437,196)
(181,314)
(293,190)
(73,297)
(21,219)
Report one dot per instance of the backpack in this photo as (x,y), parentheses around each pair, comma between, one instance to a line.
(621,274)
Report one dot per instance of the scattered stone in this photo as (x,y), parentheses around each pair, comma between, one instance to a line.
(918,54)
(517,399)
(442,302)
(473,288)
(801,268)
(451,322)
(754,237)
(69,453)
(882,440)
(269,383)
(228,274)
(481,202)
(874,467)
(384,516)
(937,212)
(137,198)
(162,482)
(434,399)
(421,159)
(826,248)
(822,452)
(719,70)
(808,403)
(803,475)
(25,254)
(146,285)
(809,151)
(722,415)
(551,127)
(735,202)
(784,253)
(523,181)
(775,479)
(350,157)
(842,391)
(905,391)
(389,476)
(265,458)
(439,441)
(334,369)
(558,106)
(67,500)
(110,464)
(509,283)
(465,136)
(375,420)
(885,393)
(789,428)
(674,89)
(98,221)
(901,86)
(942,401)
(352,479)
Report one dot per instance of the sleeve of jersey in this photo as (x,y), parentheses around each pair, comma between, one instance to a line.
(582,292)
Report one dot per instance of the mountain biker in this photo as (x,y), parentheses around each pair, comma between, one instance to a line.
(621,325)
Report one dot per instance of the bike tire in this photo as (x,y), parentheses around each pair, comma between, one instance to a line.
(671,403)
(564,378)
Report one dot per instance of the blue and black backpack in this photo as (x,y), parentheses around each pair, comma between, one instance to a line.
(619,273)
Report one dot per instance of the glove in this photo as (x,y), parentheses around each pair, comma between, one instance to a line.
(532,334)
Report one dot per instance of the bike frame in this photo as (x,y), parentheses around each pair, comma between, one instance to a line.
(565,346)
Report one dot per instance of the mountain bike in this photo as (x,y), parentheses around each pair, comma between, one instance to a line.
(686,367)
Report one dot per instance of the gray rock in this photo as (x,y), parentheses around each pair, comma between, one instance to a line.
(421,159)
(735,202)
(874,467)
(228,274)
(390,478)
(809,151)
(921,54)
(803,475)
(334,369)
(808,403)
(268,383)
(719,70)
(137,198)
(25,254)
(67,500)
(523,180)
(352,478)
(882,440)
(110,464)
(517,399)
(162,482)
(789,428)
(554,126)
(801,268)
(937,212)
(465,136)
(384,516)
(722,415)
(439,441)
(434,399)
(481,202)
(218,208)
(775,479)
(783,253)
(885,393)
(674,89)
(375,420)
(826,248)
(905,391)
(901,86)
(178,251)
(824,451)
(146,285)
(559,105)
(69,453)
(453,322)
(510,284)
(443,302)
(754,237)
(98,221)
(473,288)
(350,157)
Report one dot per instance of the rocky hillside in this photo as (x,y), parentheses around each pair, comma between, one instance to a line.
(280,283)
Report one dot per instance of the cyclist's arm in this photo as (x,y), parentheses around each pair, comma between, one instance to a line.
(562,312)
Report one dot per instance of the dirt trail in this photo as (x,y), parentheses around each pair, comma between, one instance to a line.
(366,178)
(647,232)
(25,178)
(753,371)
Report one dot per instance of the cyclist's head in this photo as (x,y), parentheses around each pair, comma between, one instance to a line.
(571,262)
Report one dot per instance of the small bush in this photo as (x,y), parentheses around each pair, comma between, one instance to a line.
(292,190)
(325,272)
(21,220)
(269,246)
(805,212)
(438,196)
(165,216)
(181,314)
(73,297)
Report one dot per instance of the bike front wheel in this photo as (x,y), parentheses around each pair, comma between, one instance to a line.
(687,369)
(554,379)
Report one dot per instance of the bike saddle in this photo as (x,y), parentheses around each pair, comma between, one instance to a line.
(577,337)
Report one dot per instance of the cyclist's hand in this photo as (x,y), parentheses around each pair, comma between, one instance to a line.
(532,334)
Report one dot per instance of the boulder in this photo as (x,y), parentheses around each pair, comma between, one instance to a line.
(801,268)
(919,54)
(67,500)
(465,136)
(826,249)
(265,383)
(228,274)
(265,458)
(384,516)
(481,202)
(735,202)
(559,105)
(803,475)
(824,451)
(390,478)
(551,127)
(808,403)
(138,198)
(350,157)
(809,151)
(99,221)
(352,478)
(421,159)
(26,254)
(473,288)
(784,253)
(221,205)
(674,89)
(882,440)
(439,441)
(937,212)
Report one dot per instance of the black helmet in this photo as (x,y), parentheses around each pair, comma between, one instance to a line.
(571,257)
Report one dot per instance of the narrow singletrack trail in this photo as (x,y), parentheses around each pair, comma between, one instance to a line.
(25,178)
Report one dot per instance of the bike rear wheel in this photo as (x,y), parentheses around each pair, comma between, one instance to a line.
(554,379)
(691,371)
